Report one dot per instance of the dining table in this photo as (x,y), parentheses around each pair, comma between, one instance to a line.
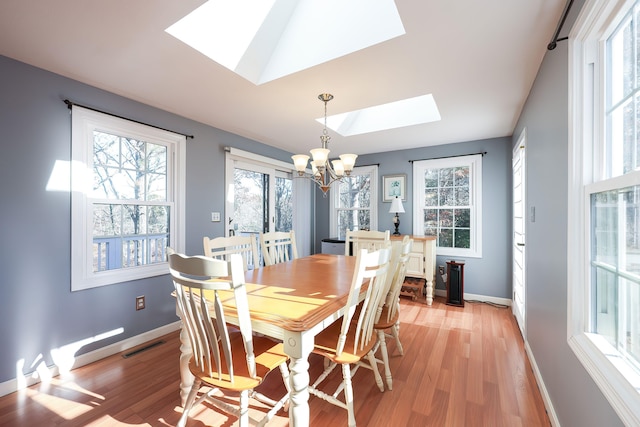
(292,302)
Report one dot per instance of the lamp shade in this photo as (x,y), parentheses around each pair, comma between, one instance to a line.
(338,167)
(349,161)
(396,205)
(300,161)
(320,156)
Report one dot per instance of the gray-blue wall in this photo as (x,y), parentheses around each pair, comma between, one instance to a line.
(576,398)
(38,311)
(489,275)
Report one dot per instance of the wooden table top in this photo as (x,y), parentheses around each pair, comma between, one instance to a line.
(299,294)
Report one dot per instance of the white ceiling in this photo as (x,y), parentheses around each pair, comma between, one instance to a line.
(477,58)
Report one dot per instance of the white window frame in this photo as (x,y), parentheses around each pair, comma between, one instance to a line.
(84,122)
(474,162)
(617,380)
(372,171)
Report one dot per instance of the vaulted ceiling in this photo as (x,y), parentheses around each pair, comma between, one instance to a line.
(477,58)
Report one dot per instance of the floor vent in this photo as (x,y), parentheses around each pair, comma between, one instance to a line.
(141,349)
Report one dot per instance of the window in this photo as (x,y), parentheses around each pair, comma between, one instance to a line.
(127,210)
(353,202)
(604,241)
(448,203)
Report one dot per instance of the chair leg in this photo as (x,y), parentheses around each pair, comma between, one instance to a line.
(243,418)
(395,330)
(373,362)
(348,394)
(284,370)
(385,358)
(189,402)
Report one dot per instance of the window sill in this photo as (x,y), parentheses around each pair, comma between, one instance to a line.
(618,381)
(121,275)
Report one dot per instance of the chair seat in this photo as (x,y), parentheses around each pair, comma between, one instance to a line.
(383,323)
(269,355)
(325,345)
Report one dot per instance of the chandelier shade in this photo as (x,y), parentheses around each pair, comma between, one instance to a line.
(323,171)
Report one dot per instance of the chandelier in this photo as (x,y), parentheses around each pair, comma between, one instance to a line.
(324,172)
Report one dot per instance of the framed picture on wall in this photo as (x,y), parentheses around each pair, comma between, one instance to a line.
(394,185)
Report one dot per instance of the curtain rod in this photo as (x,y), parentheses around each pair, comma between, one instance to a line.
(554,41)
(71,104)
(448,157)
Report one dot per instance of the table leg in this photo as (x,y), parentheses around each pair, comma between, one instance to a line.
(298,347)
(429,284)
(186,377)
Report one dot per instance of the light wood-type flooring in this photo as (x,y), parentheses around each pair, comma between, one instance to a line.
(462,367)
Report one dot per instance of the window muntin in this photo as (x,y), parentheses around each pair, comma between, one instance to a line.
(129,210)
(353,202)
(447,203)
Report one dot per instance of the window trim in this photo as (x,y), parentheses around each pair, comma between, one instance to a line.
(84,122)
(586,45)
(358,170)
(474,161)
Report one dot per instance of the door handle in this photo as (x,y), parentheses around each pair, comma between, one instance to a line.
(520,244)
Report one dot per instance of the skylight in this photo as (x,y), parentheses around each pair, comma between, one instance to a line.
(407,112)
(263,40)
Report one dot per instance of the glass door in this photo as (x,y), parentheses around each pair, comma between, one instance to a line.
(259,200)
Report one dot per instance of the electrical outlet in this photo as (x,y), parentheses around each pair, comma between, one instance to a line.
(140,302)
(441,269)
(215,216)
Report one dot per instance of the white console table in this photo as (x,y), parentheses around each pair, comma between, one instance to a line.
(422,265)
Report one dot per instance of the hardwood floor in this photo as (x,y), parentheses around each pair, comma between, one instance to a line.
(462,367)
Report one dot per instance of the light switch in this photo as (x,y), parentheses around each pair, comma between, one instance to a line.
(215,216)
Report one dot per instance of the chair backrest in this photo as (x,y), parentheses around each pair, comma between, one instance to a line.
(223,247)
(203,315)
(365,239)
(396,276)
(278,246)
(371,266)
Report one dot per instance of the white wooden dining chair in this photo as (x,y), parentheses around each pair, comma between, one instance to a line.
(370,240)
(223,247)
(388,316)
(224,359)
(351,340)
(278,246)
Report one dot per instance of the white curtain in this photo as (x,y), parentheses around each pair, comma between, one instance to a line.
(303,215)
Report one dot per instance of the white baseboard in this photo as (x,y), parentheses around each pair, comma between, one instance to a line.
(553,418)
(31,378)
(474,297)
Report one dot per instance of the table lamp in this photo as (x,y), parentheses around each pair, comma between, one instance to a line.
(396,208)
